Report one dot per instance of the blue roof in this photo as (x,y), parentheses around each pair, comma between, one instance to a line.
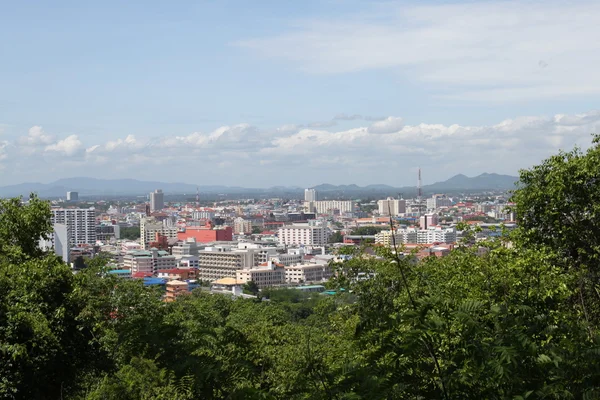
(154,281)
(120,271)
(310,287)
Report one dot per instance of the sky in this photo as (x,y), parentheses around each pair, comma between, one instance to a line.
(272,92)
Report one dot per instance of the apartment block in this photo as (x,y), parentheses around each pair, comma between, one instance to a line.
(81,224)
(310,234)
(149,227)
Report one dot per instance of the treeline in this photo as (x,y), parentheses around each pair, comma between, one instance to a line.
(519,321)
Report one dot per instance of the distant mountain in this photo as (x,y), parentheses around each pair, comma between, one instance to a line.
(480,182)
(111,187)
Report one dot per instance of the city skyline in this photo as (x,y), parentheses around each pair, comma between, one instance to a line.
(343,90)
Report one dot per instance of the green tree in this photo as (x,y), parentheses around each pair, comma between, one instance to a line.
(130,233)
(369,230)
(251,287)
(336,237)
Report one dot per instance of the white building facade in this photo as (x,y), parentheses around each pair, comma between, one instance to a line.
(81,224)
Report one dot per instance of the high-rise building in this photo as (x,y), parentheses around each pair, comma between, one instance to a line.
(428,220)
(391,207)
(310,195)
(72,196)
(437,201)
(149,227)
(157,200)
(81,224)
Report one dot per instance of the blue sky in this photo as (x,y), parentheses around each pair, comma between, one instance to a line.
(247,93)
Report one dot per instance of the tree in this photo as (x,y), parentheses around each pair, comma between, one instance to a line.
(336,237)
(369,230)
(558,212)
(251,287)
(130,233)
(256,229)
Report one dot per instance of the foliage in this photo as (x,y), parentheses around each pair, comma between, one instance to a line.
(336,237)
(251,287)
(130,233)
(369,230)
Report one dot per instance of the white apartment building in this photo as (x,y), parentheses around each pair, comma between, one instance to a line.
(149,227)
(412,235)
(437,201)
(188,247)
(303,273)
(391,207)
(81,224)
(242,226)
(310,234)
(149,261)
(264,275)
(157,200)
(327,206)
(310,195)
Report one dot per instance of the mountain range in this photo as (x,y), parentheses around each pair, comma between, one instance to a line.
(119,187)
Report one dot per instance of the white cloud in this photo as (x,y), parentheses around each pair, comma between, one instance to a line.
(493,50)
(388,125)
(69,146)
(386,151)
(3,146)
(36,137)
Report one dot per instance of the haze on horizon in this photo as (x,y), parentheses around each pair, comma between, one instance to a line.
(293,94)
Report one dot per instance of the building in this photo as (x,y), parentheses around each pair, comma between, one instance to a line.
(72,196)
(242,226)
(437,201)
(302,273)
(412,235)
(391,207)
(149,227)
(218,262)
(149,262)
(428,220)
(313,233)
(81,223)
(265,275)
(188,261)
(174,289)
(188,247)
(227,285)
(121,273)
(108,232)
(58,242)
(157,200)
(207,233)
(329,206)
(310,195)
(179,274)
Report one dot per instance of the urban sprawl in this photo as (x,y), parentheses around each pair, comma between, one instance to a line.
(228,244)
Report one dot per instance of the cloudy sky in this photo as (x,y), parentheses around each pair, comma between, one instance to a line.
(275,92)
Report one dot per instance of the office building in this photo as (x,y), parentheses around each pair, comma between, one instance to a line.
(310,195)
(313,233)
(72,196)
(81,224)
(157,200)
(303,273)
(391,207)
(149,227)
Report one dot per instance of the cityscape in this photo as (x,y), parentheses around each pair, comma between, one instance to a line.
(313,200)
(221,246)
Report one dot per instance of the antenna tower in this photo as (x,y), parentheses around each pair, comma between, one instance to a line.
(197,196)
(419,187)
